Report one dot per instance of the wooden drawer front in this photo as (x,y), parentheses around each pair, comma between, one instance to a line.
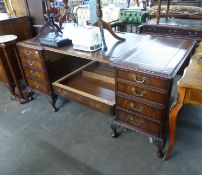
(140,108)
(34,73)
(193,97)
(138,122)
(30,53)
(93,103)
(38,86)
(141,78)
(141,93)
(32,62)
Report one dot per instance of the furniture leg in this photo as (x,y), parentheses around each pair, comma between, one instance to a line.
(177,105)
(160,146)
(53,102)
(115,133)
(12,91)
(103,25)
(21,95)
(28,95)
(167,10)
(158,12)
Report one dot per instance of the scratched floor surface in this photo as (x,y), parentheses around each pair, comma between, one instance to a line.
(76,141)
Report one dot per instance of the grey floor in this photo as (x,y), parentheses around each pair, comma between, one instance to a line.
(76,141)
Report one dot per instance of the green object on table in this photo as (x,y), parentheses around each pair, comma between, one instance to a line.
(133,16)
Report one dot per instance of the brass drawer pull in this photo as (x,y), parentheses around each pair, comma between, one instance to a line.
(137,109)
(134,91)
(28,52)
(132,121)
(34,73)
(30,62)
(38,86)
(138,79)
(62,93)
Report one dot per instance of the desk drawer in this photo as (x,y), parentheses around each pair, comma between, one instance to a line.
(90,86)
(135,121)
(140,108)
(141,78)
(34,73)
(29,53)
(32,63)
(141,93)
(39,86)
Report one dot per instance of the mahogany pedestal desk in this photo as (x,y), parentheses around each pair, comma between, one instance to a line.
(189,92)
(131,79)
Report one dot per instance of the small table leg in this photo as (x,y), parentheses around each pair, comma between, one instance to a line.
(177,105)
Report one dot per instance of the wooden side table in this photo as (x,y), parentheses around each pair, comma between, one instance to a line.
(10,69)
(189,91)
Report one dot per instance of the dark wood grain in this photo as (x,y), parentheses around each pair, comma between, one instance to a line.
(147,110)
(19,26)
(136,121)
(141,78)
(143,93)
(180,28)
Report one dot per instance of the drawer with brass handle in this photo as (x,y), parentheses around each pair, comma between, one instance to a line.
(134,120)
(141,93)
(146,110)
(142,78)
(137,92)
(34,73)
(38,86)
(30,53)
(63,93)
(31,62)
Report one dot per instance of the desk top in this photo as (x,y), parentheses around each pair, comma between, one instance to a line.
(146,53)
(192,75)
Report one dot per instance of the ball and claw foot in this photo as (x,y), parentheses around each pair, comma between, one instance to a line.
(115,134)
(160,154)
(55,109)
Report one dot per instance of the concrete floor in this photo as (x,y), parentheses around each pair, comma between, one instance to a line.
(76,141)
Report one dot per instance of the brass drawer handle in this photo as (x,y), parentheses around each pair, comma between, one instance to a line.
(38,86)
(62,93)
(134,91)
(28,52)
(31,63)
(137,109)
(132,121)
(34,73)
(138,79)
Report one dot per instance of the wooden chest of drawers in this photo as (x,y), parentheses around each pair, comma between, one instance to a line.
(143,82)
(141,103)
(42,68)
(35,70)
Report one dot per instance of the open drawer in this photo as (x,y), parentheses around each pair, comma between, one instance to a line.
(92,84)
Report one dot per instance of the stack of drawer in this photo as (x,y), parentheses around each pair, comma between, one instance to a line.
(33,65)
(141,101)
